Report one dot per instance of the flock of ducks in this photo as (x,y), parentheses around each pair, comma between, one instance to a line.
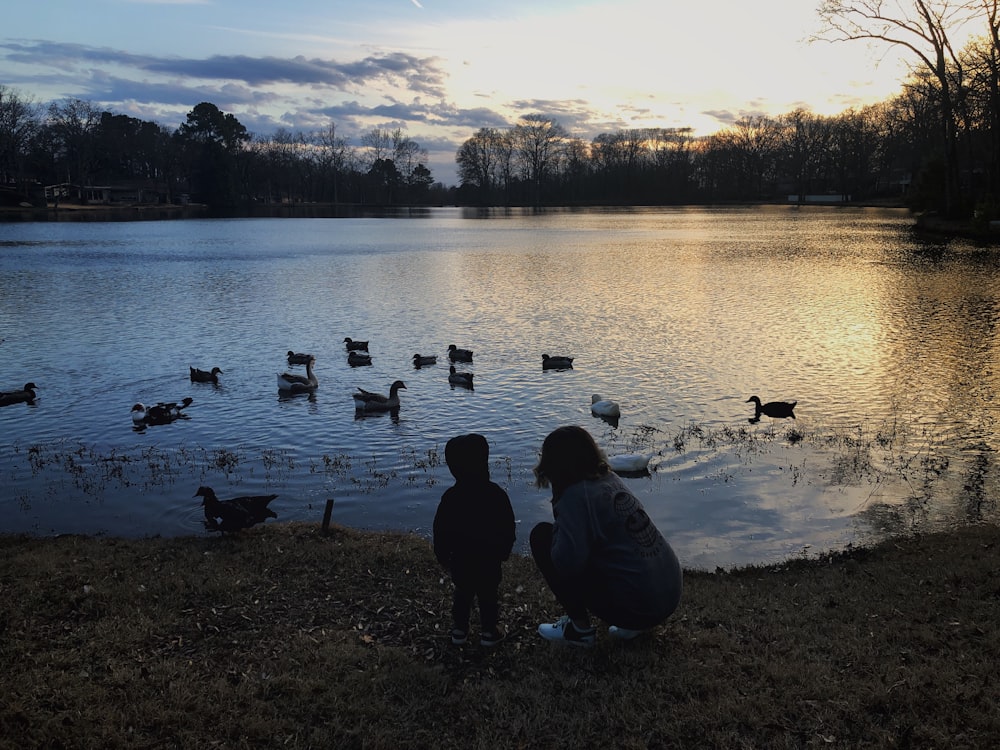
(243,512)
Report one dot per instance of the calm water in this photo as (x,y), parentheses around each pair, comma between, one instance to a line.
(888,344)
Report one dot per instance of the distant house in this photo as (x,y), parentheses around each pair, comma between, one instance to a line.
(821,198)
(106,195)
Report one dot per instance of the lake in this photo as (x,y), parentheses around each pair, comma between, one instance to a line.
(887,341)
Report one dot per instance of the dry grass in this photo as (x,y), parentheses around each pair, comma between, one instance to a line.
(284,637)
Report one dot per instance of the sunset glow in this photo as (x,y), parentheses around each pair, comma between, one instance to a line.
(440,70)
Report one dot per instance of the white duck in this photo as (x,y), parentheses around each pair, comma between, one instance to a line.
(604,407)
(368,401)
(630,463)
(292,383)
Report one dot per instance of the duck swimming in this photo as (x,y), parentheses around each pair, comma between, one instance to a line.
(368,401)
(459,355)
(419,361)
(355,346)
(556,363)
(161,413)
(463,379)
(358,359)
(774,409)
(234,514)
(297,358)
(634,464)
(24,396)
(603,407)
(292,383)
(204,376)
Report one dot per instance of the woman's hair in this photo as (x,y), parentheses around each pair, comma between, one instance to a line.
(569,455)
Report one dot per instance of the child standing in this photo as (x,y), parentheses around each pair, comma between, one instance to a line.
(473,534)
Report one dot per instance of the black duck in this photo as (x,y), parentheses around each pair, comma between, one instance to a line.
(236,513)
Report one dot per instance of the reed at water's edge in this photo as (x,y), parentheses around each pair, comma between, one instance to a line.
(285,637)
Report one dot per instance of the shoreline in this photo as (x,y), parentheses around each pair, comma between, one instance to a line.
(286,637)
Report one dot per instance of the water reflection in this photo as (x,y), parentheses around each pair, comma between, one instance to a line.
(892,350)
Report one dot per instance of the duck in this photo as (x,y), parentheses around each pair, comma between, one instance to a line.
(774,409)
(556,363)
(368,401)
(358,358)
(292,383)
(355,346)
(459,355)
(421,360)
(204,376)
(630,463)
(463,379)
(297,358)
(24,396)
(603,407)
(236,513)
(163,412)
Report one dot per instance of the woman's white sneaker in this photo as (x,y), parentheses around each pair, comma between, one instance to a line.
(564,630)
(623,634)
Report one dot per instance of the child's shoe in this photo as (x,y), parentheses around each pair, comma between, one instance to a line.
(490,638)
(459,636)
(564,630)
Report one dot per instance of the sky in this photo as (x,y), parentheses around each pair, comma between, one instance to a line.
(441,69)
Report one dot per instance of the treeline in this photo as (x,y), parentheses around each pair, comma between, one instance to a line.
(211,158)
(934,146)
(888,151)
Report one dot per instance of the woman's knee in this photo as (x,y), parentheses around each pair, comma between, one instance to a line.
(540,540)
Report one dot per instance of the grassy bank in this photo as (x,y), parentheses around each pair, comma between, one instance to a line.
(285,637)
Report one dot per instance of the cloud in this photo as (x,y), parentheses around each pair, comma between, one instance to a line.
(419,74)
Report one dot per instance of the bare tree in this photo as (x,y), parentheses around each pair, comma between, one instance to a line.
(334,156)
(73,124)
(538,141)
(19,121)
(807,145)
(756,142)
(377,143)
(921,27)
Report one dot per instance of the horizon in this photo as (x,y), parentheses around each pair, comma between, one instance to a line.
(439,70)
